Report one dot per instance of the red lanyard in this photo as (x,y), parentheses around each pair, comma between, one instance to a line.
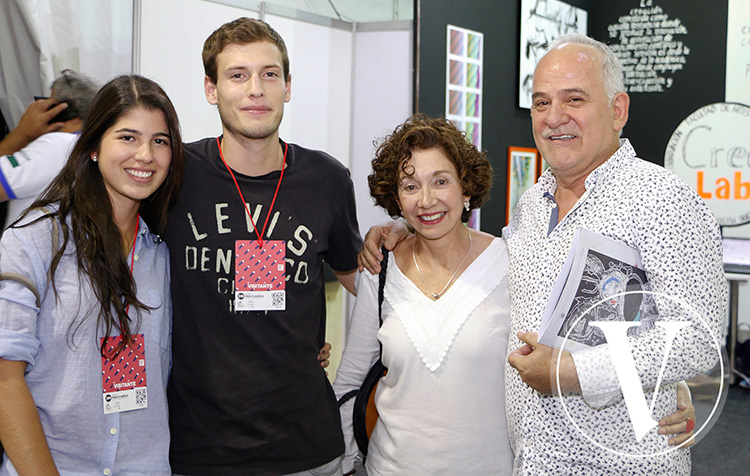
(244,203)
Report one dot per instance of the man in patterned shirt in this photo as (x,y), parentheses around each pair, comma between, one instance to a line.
(595,181)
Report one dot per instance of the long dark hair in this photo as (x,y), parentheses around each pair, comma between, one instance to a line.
(79,192)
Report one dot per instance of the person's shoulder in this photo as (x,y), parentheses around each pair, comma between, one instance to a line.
(645,175)
(316,158)
(403,249)
(366,276)
(200,149)
(640,165)
(60,136)
(32,217)
(35,228)
(482,239)
(490,244)
(648,186)
(52,140)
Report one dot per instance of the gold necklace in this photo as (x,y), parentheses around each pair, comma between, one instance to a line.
(436,296)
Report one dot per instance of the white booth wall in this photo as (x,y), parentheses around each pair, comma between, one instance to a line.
(382,99)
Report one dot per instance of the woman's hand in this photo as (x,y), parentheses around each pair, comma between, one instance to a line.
(20,428)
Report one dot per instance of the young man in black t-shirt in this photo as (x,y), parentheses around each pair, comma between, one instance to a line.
(249,232)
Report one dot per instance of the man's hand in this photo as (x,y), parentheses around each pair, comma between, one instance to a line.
(388,235)
(33,124)
(324,355)
(677,422)
(536,364)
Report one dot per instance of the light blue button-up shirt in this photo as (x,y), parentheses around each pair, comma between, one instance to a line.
(60,341)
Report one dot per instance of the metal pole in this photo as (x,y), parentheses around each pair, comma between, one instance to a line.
(135,62)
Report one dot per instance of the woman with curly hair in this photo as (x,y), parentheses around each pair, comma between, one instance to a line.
(85,308)
(445,314)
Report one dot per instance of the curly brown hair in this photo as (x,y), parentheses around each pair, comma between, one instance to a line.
(420,132)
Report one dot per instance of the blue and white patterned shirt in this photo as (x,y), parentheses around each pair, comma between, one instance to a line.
(649,209)
(60,343)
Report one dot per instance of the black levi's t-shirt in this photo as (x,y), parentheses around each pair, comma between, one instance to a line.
(246,393)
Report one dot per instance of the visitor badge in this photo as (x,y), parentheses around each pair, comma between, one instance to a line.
(124,375)
(260,275)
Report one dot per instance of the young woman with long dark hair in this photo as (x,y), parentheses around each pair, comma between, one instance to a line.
(85,306)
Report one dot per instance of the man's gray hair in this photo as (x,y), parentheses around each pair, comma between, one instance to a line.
(611,67)
(77,87)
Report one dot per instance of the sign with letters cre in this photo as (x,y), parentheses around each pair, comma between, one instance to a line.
(710,151)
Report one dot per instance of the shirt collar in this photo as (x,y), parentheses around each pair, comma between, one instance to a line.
(548,183)
(612,165)
(148,238)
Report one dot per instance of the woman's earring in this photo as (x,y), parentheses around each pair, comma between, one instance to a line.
(93,157)
(467,205)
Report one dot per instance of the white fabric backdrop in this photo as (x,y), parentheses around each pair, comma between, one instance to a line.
(40,38)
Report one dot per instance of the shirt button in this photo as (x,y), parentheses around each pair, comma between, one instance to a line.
(135,258)
(113,431)
(107,471)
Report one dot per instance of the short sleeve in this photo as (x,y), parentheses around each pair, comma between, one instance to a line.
(345,241)
(26,173)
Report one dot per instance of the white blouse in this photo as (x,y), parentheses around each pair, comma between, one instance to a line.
(441,405)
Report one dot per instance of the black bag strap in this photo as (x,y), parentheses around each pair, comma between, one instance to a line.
(381,286)
(373,376)
(381,295)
